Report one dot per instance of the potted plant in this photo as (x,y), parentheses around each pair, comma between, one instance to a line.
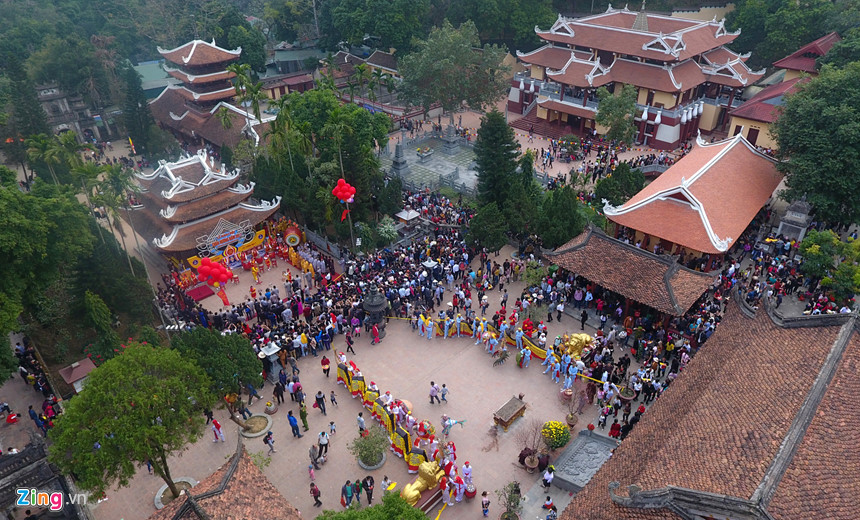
(510,498)
(555,434)
(571,417)
(530,438)
(369,448)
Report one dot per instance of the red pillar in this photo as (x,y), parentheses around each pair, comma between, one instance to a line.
(584,96)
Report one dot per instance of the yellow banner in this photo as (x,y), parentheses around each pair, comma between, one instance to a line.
(257,241)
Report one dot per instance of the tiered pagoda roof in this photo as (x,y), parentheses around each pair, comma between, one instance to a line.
(189,109)
(660,38)
(583,69)
(189,198)
(705,200)
(199,53)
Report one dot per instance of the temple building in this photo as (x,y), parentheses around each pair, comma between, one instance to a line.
(702,205)
(190,108)
(755,116)
(194,208)
(759,426)
(685,77)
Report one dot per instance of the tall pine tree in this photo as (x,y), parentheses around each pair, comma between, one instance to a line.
(496,153)
(26,117)
(136,116)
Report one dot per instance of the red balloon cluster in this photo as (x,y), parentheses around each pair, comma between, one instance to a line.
(343,191)
(211,272)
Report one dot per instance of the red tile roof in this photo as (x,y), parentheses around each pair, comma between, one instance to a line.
(765,106)
(197,53)
(383,60)
(188,179)
(660,282)
(574,109)
(724,426)
(170,110)
(705,200)
(222,94)
(551,57)
(676,77)
(185,77)
(668,39)
(77,371)
(199,208)
(822,479)
(803,59)
(184,236)
(247,493)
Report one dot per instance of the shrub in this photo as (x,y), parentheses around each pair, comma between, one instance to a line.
(555,434)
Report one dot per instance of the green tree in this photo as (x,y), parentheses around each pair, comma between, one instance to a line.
(101,319)
(820,250)
(619,186)
(522,207)
(253,44)
(843,52)
(773,29)
(392,506)
(496,152)
(487,228)
(616,111)
(24,115)
(843,282)
(228,361)
(42,149)
(391,197)
(560,218)
(818,135)
(451,67)
(70,61)
(142,405)
(41,231)
(136,117)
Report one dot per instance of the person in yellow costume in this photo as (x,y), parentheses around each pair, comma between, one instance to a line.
(255,272)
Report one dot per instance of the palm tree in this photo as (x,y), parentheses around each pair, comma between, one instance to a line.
(362,75)
(42,147)
(88,173)
(350,86)
(378,79)
(70,149)
(117,184)
(280,128)
(225,117)
(336,128)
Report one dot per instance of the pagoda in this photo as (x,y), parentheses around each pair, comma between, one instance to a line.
(200,209)
(685,77)
(189,109)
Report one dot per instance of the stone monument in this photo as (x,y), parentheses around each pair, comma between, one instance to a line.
(399,166)
(449,141)
(581,460)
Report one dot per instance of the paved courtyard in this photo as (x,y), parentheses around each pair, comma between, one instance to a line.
(404,364)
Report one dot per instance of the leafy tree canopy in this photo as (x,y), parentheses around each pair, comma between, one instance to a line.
(227,360)
(451,67)
(843,52)
(496,152)
(560,218)
(487,228)
(142,405)
(618,187)
(392,506)
(773,29)
(818,134)
(41,231)
(617,111)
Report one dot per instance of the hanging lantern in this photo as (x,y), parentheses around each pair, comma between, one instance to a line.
(684,116)
(659,118)
(522,85)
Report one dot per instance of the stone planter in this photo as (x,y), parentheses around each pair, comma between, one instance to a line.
(571,420)
(257,432)
(566,395)
(531,463)
(182,482)
(364,466)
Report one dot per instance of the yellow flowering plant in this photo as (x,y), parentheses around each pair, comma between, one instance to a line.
(555,434)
